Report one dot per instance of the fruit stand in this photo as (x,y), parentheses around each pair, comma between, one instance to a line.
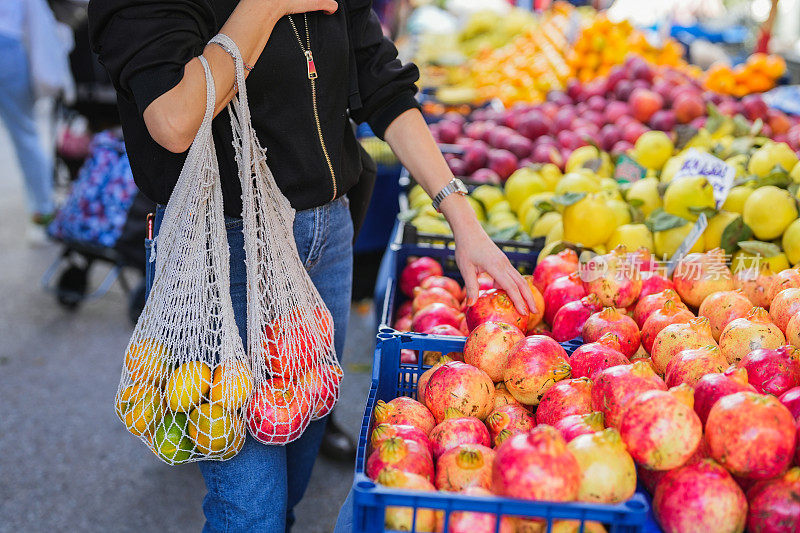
(653,207)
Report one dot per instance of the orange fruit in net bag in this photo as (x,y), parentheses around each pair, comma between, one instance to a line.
(214,430)
(323,385)
(146,361)
(140,408)
(231,384)
(187,385)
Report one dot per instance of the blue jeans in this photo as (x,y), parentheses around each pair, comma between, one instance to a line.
(258,489)
(16,111)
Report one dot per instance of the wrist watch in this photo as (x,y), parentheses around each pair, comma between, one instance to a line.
(454,186)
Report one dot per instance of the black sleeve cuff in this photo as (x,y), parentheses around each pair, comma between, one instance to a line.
(385,115)
(148,85)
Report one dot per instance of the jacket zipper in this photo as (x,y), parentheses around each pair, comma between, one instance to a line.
(312,77)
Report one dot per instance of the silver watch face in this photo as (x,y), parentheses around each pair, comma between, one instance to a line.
(460,187)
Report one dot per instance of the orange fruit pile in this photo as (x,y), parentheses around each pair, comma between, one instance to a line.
(758,74)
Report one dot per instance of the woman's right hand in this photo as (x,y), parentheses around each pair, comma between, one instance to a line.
(306,6)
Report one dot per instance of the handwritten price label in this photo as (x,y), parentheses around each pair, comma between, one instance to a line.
(718,173)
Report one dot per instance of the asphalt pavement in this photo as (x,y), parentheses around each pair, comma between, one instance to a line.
(66,462)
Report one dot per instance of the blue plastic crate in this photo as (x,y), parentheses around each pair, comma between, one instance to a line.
(391,379)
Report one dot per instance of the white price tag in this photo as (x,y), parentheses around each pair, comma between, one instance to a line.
(718,173)
(697,231)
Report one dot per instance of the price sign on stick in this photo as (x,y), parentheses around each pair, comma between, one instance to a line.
(697,231)
(718,173)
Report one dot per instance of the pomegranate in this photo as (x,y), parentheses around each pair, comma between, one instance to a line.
(443,282)
(485,282)
(433,315)
(535,315)
(678,337)
(383,432)
(574,526)
(567,397)
(593,357)
(711,387)
(791,399)
(502,396)
(425,297)
(793,331)
(619,283)
(784,306)
(488,345)
(495,305)
(688,366)
(652,302)
(404,455)
(615,387)
(404,309)
(402,518)
(700,274)
(574,425)
(404,411)
(608,474)
(721,308)
(785,279)
(653,284)
(660,428)
(752,435)
(536,466)
(403,323)
(422,382)
(534,365)
(756,285)
(772,371)
(463,466)
(775,504)
(474,522)
(561,291)
(743,335)
(700,497)
(509,420)
(569,320)
(650,478)
(416,271)
(670,313)
(457,429)
(553,267)
(459,385)
(278,413)
(610,320)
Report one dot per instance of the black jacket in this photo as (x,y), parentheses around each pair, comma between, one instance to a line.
(144,45)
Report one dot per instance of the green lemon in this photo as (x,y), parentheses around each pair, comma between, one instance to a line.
(686,196)
(589,221)
(522,184)
(171,440)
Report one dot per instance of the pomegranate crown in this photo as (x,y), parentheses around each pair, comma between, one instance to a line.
(469,458)
(610,340)
(642,369)
(393,449)
(609,435)
(758,314)
(391,477)
(595,419)
(684,393)
(503,436)
(452,412)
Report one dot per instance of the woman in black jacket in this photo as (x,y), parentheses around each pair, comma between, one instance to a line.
(312,65)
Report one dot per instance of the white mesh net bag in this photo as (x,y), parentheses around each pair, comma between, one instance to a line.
(289,328)
(186,378)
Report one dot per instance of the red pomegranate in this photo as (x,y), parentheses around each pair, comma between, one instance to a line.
(383,432)
(416,271)
(461,386)
(435,314)
(610,320)
(700,497)
(711,387)
(752,435)
(488,345)
(650,478)
(772,371)
(569,320)
(404,455)
(495,306)
(688,366)
(475,522)
(463,466)
(404,411)
(554,266)
(700,274)
(443,282)
(785,279)
(534,364)
(608,474)
(754,331)
(620,283)
(536,466)
(791,399)
(722,308)
(565,398)
(508,420)
(591,358)
(675,338)
(278,413)
(502,396)
(653,284)
(422,382)
(652,302)
(403,518)
(757,285)
(615,387)
(561,291)
(775,504)
(670,313)
(793,331)
(784,306)
(660,428)
(425,297)
(574,425)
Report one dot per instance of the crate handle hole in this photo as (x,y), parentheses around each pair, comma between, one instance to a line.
(366,485)
(635,505)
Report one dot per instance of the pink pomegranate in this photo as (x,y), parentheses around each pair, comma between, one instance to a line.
(475,522)
(463,466)
(712,387)
(409,357)
(775,504)
(591,358)
(565,398)
(462,386)
(608,474)
(553,267)
(495,306)
(619,285)
(425,297)
(536,466)
(700,274)
(650,478)
(534,365)
(743,335)
(403,518)
(535,316)
(443,329)
(574,526)
(652,302)
(416,271)
(574,425)
(756,285)
(383,432)
(569,320)
(670,313)
(561,291)
(791,399)
(751,435)
(660,428)
(485,282)
(488,345)
(404,455)
(688,366)
(404,309)
(611,320)
(772,371)
(700,497)
(422,382)
(443,282)
(721,308)
(403,323)
(435,314)
(793,331)
(785,279)
(784,306)
(404,411)
(615,387)
(509,420)
(457,429)
(675,338)
(502,396)
(653,284)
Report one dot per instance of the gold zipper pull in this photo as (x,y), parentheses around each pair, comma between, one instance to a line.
(312,68)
